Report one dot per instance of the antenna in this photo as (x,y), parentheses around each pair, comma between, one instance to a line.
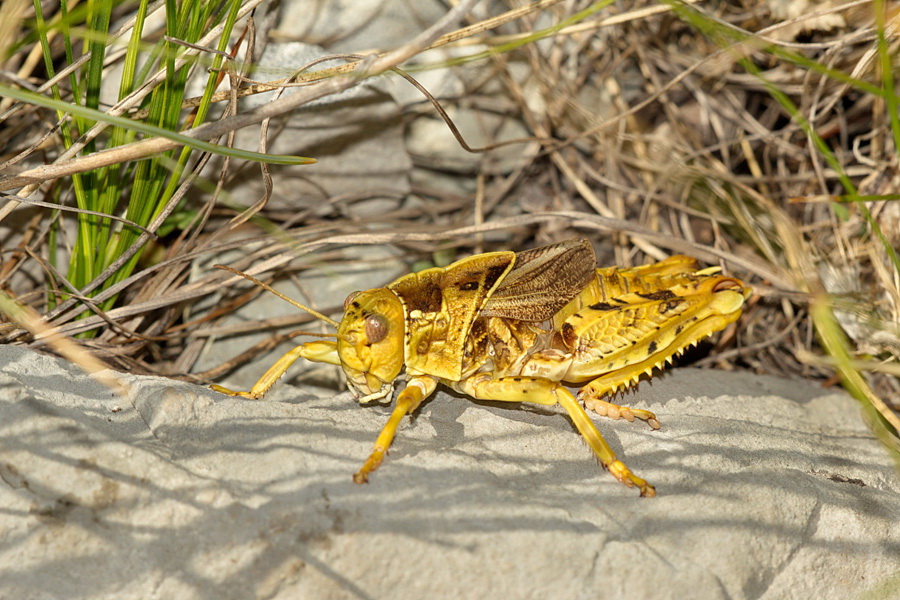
(269,288)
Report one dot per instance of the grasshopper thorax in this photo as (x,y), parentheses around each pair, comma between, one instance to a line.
(370,342)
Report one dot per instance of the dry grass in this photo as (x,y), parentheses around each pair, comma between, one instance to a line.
(644,133)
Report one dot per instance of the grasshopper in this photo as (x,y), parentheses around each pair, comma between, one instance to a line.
(512,327)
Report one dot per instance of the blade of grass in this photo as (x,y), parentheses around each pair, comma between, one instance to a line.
(887,70)
(137,126)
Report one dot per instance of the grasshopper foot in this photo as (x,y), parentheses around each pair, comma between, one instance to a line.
(616,412)
(227,392)
(374,461)
(618,469)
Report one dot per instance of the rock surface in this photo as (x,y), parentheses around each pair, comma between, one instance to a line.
(767,489)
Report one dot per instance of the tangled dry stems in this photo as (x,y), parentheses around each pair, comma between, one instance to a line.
(644,135)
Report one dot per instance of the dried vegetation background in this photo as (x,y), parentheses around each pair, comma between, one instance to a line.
(650,128)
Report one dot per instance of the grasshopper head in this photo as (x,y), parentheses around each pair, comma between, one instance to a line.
(370,342)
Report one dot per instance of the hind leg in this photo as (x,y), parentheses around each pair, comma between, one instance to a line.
(543,391)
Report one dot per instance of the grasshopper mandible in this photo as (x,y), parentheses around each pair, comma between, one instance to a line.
(513,326)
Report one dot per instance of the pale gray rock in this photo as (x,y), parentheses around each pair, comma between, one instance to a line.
(767,489)
(355,136)
(358,25)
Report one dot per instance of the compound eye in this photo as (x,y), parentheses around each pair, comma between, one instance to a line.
(350,299)
(376,328)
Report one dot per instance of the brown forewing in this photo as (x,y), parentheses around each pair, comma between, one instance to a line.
(543,281)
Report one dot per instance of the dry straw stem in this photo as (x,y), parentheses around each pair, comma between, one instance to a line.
(872,366)
(27,317)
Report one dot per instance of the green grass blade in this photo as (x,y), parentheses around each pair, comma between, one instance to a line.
(137,126)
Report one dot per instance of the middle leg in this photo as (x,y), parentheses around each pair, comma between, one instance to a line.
(416,390)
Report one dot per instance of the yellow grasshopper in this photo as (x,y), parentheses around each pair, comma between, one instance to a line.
(513,326)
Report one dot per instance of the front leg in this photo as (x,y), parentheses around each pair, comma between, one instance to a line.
(416,390)
(318,351)
(543,391)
